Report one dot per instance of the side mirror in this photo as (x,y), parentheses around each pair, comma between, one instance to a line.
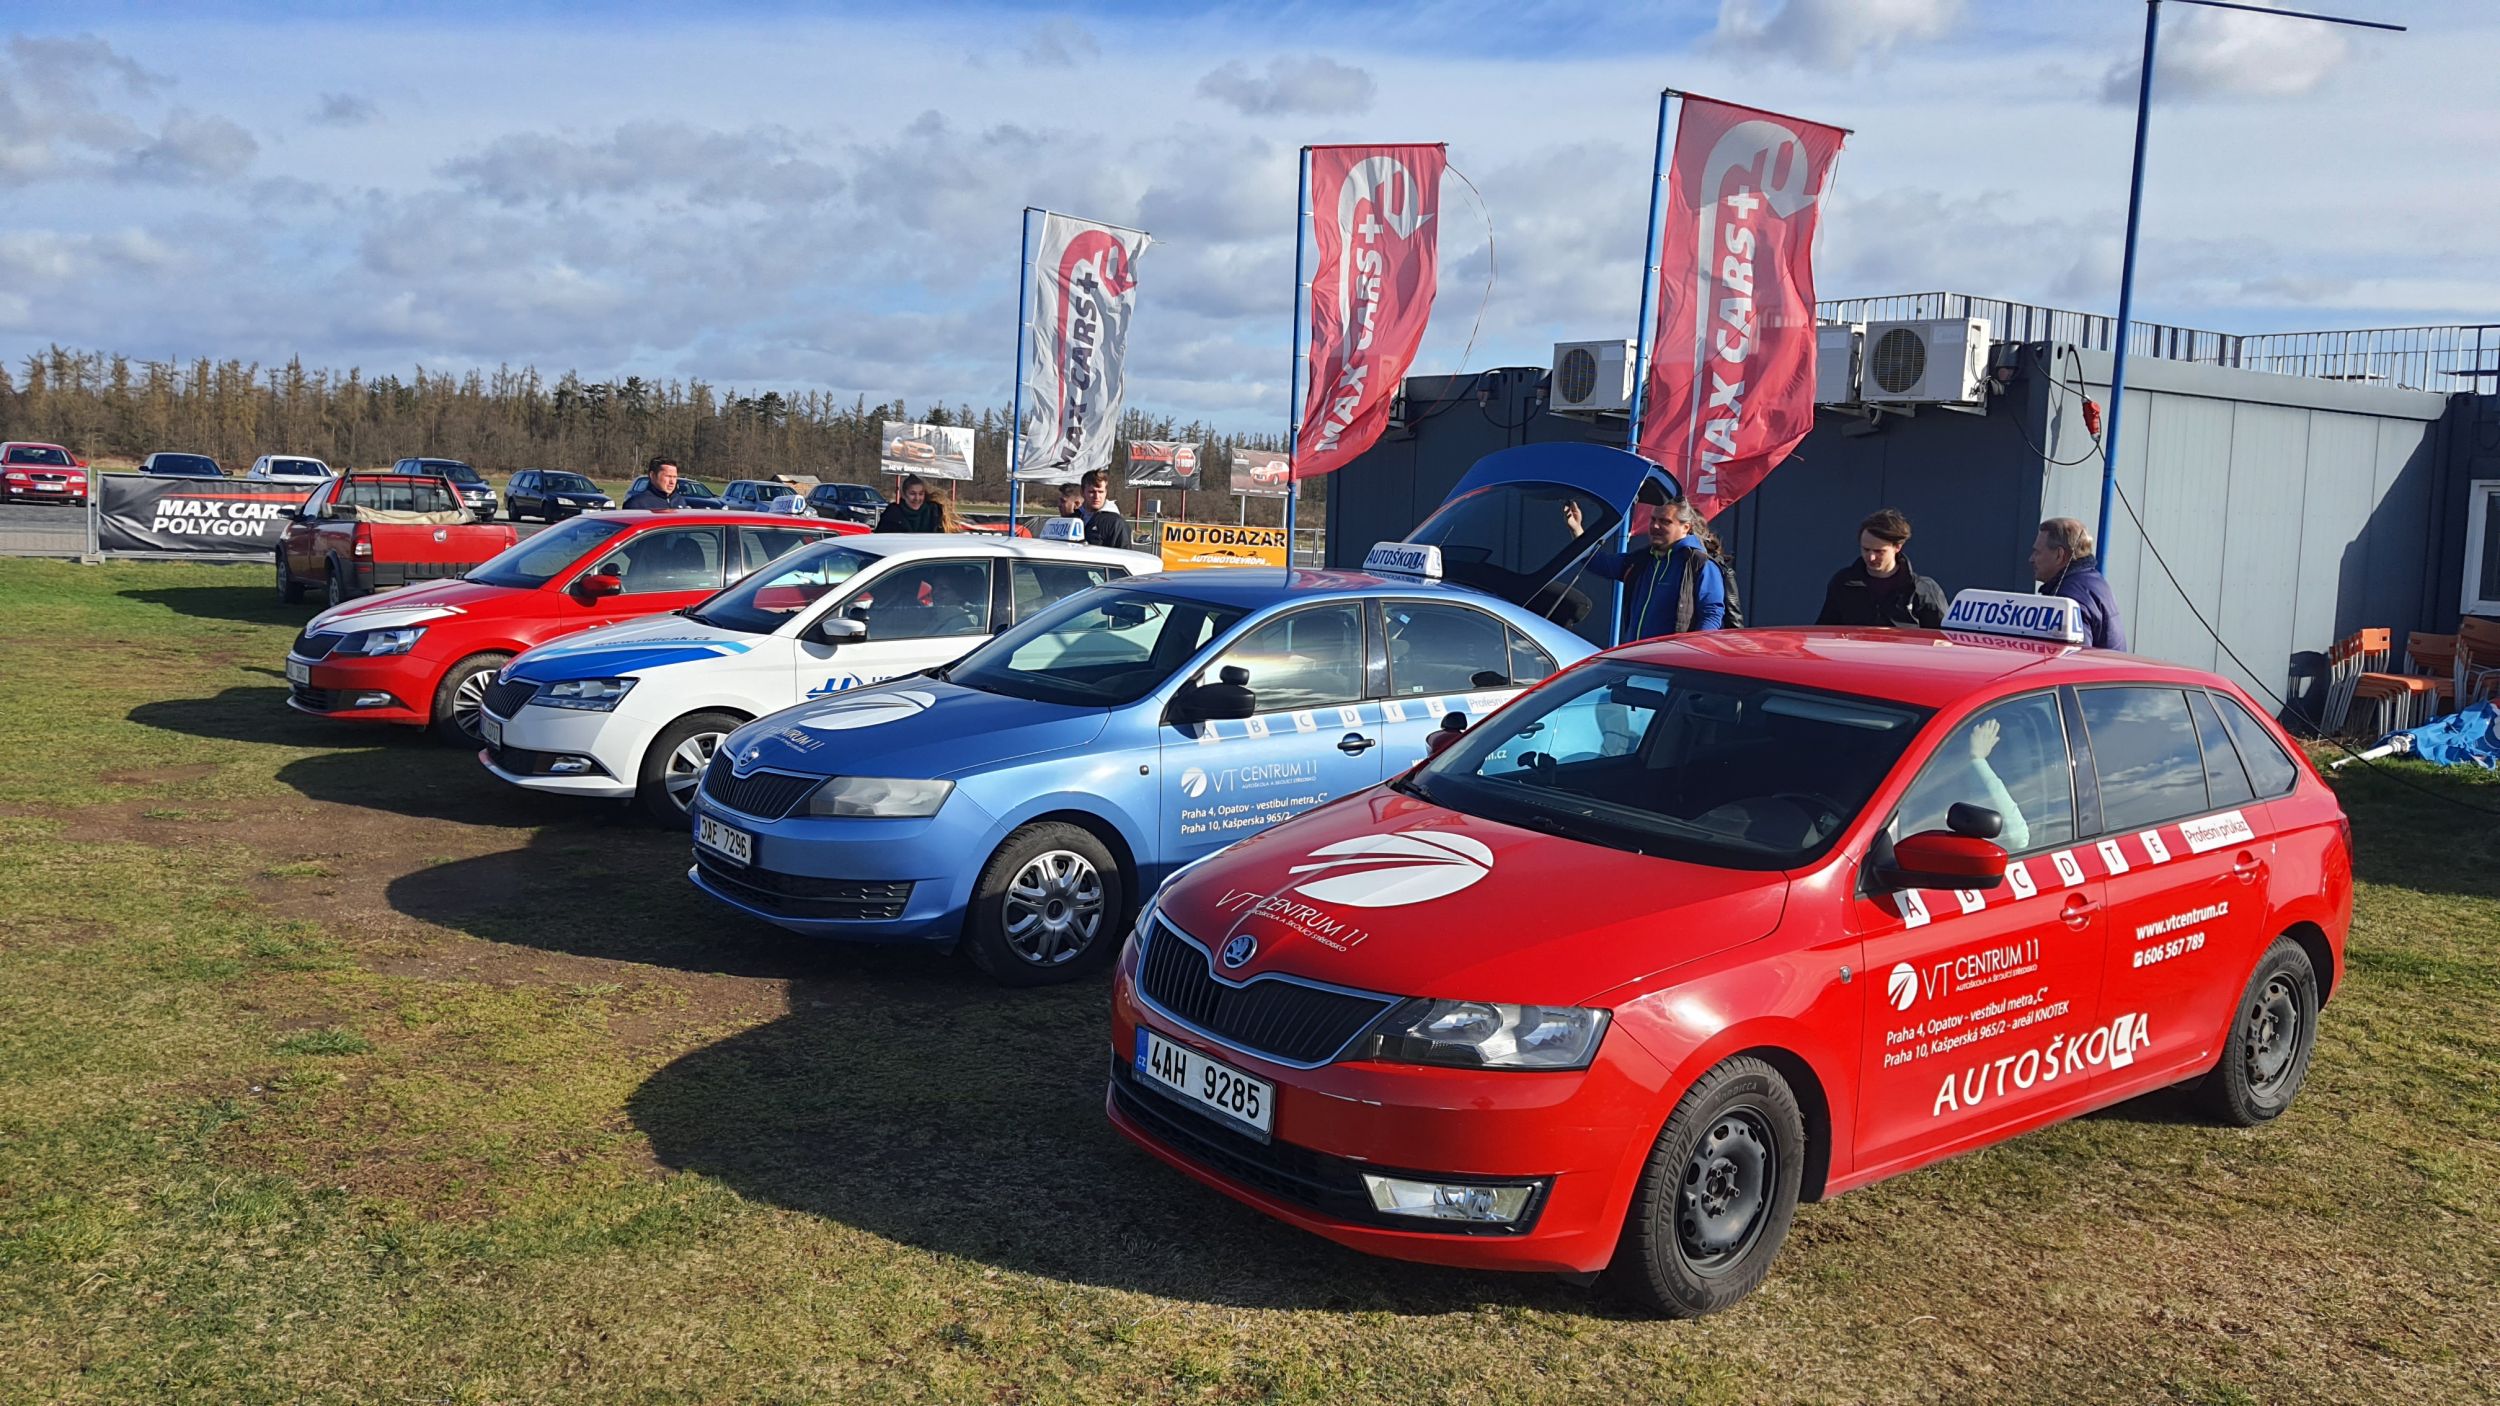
(842,629)
(1488,678)
(1453,726)
(1940,859)
(1978,822)
(599,584)
(1228,700)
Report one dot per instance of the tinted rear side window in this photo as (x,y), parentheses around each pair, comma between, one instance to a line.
(2270,769)
(2224,778)
(2144,750)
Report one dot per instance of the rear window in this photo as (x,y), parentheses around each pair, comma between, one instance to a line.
(2271,770)
(405,495)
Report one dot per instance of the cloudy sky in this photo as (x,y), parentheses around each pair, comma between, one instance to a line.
(786,195)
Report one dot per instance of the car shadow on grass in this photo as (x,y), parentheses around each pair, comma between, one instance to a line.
(249,713)
(252,599)
(415,775)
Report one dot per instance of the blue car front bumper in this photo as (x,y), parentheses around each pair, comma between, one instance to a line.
(857,880)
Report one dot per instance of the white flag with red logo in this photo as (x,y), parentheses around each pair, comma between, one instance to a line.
(1376,215)
(1084,292)
(1731,372)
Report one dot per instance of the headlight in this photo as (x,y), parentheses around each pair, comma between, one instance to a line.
(589,695)
(1492,1035)
(877,796)
(375,643)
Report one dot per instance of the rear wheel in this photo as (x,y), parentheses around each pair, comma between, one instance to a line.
(2273,1030)
(673,767)
(1047,907)
(1716,1198)
(290,590)
(461,696)
(338,592)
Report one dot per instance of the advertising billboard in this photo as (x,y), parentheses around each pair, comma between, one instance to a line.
(931,451)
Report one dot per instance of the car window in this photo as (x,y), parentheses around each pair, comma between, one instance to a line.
(1303,660)
(1436,648)
(1036,584)
(297,468)
(2226,781)
(766,599)
(758,545)
(2011,759)
(564,483)
(2271,770)
(1528,660)
(403,495)
(677,559)
(22,455)
(2144,751)
(195,464)
(535,560)
(1100,650)
(925,600)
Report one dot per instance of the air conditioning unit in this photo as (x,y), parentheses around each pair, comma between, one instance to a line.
(1837,347)
(1929,361)
(1592,376)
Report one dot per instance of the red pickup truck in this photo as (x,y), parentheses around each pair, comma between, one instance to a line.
(366,532)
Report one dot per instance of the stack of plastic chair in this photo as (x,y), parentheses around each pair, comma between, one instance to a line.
(2359,655)
(2477,668)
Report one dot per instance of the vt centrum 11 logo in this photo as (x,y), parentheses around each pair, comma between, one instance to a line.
(1386,871)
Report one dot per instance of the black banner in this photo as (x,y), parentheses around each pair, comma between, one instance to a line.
(203,516)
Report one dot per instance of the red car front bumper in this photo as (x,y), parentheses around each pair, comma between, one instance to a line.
(391,689)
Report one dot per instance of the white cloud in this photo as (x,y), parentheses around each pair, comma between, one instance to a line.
(1059,43)
(190,147)
(1831,33)
(343,110)
(643,158)
(1296,85)
(2225,53)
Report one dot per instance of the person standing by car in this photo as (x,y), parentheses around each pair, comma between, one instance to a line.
(1673,586)
(916,510)
(2063,563)
(1071,500)
(1104,527)
(1881,588)
(659,492)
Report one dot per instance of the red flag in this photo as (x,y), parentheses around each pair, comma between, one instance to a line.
(1731,372)
(1375,210)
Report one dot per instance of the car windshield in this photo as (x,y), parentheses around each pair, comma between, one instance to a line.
(765,601)
(566,483)
(1098,649)
(298,468)
(542,558)
(457,473)
(1679,763)
(190,465)
(40,456)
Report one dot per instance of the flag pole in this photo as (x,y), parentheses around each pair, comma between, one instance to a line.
(1640,343)
(1294,363)
(1015,413)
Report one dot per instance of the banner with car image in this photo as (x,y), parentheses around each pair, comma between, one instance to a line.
(1162,463)
(931,451)
(217,517)
(1261,473)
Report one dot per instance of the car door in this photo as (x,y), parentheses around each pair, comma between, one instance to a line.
(303,551)
(2187,850)
(1312,739)
(1973,999)
(920,613)
(1434,658)
(662,569)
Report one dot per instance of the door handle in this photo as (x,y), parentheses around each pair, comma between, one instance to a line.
(2247,867)
(2078,911)
(1355,744)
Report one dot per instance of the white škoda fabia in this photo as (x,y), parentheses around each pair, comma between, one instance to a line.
(635,710)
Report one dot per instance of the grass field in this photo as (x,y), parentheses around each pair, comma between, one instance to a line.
(334,1070)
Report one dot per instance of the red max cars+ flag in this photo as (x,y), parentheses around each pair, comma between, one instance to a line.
(1707,926)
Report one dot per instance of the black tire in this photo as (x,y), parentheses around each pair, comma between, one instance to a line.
(337,591)
(1717,1196)
(290,590)
(1048,907)
(2265,1055)
(673,766)
(459,696)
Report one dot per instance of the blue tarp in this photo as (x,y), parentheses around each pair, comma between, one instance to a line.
(2472,736)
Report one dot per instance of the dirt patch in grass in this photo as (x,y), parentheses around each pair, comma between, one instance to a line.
(161,775)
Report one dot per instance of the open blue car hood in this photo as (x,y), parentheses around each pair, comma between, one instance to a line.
(1501,529)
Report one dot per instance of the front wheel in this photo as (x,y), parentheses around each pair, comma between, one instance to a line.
(1047,907)
(461,696)
(2273,1030)
(1718,1193)
(673,766)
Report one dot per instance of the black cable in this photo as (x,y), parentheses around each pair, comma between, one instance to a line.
(2056,407)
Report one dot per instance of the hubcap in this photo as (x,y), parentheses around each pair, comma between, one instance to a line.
(1054,909)
(2273,1035)
(469,699)
(685,767)
(1726,1189)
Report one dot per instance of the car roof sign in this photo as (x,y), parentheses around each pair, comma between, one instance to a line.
(1404,559)
(2008,613)
(1062,529)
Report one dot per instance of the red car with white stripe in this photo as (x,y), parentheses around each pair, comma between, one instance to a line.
(1707,926)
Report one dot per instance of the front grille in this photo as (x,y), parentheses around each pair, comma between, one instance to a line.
(1315,1181)
(320,700)
(801,896)
(766,795)
(316,646)
(505,697)
(1281,1019)
(522,761)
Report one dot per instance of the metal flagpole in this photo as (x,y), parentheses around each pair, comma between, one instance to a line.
(1294,367)
(1015,413)
(1640,343)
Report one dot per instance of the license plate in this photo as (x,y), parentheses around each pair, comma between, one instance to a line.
(297,671)
(492,727)
(48,488)
(722,839)
(1218,1088)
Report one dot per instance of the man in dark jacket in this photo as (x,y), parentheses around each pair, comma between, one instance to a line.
(1672,586)
(2063,563)
(914,509)
(1104,527)
(659,492)
(1880,588)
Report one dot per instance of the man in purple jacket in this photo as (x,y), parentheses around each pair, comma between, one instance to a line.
(2063,564)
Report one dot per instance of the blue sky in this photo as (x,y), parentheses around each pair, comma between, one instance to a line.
(809,196)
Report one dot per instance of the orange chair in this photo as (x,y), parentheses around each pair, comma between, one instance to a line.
(2426,689)
(2476,672)
(2356,657)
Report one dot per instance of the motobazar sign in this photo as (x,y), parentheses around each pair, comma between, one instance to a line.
(1188,545)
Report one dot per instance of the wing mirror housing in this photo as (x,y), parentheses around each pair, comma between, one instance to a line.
(843,629)
(1941,859)
(1453,726)
(599,584)
(1229,699)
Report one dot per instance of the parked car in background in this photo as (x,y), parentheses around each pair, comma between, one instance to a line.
(693,492)
(425,657)
(377,529)
(846,502)
(549,494)
(753,493)
(165,464)
(289,468)
(41,473)
(636,711)
(994,524)
(476,494)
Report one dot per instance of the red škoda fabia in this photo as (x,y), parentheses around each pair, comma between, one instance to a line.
(1705,927)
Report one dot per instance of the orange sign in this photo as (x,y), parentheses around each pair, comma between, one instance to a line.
(1188,545)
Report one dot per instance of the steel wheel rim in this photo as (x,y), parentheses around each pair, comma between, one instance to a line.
(685,766)
(1053,909)
(2273,1036)
(1724,1198)
(337,590)
(468,699)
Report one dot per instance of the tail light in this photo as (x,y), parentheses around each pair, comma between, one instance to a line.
(364,545)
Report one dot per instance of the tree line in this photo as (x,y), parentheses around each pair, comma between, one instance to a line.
(103,405)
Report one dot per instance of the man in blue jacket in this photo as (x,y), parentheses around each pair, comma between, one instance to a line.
(1670,587)
(2063,564)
